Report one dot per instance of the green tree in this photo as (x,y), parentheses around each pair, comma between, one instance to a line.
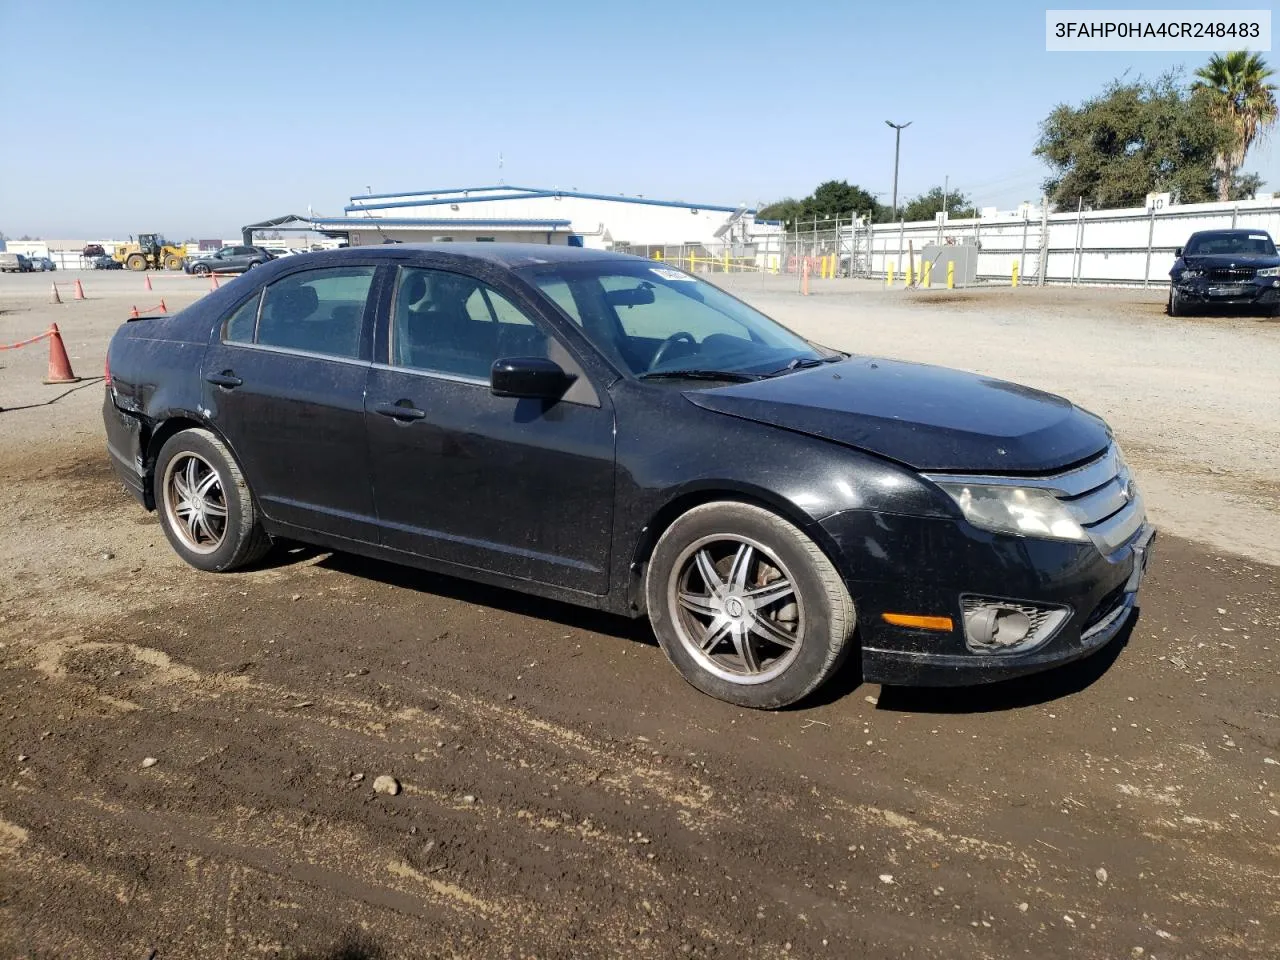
(787,210)
(1135,138)
(831,199)
(929,204)
(1245,186)
(1242,102)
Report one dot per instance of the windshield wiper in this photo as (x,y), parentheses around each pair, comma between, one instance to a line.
(804,363)
(730,375)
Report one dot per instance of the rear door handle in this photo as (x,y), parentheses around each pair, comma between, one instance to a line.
(224,379)
(404,410)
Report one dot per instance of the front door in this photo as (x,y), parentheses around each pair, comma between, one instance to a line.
(284,382)
(518,487)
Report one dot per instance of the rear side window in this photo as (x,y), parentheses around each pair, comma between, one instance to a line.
(317,311)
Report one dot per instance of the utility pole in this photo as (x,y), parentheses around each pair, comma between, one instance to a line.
(897,149)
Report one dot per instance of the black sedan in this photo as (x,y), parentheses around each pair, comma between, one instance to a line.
(612,432)
(1226,268)
(228,260)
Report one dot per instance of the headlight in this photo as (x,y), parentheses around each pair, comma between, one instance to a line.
(1191,274)
(1269,272)
(1021,511)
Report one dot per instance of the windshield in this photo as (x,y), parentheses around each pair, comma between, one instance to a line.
(1232,244)
(651,319)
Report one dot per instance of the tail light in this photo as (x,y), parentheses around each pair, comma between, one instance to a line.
(106,371)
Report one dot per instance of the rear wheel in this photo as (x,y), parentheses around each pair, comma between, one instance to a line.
(746,606)
(205,506)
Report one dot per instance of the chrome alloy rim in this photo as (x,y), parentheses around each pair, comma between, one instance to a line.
(736,609)
(195,502)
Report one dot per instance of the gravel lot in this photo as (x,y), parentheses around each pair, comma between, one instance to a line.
(562,792)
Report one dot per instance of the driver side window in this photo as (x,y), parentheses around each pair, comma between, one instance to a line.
(454,324)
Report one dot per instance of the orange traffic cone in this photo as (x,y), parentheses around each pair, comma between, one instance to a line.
(214,278)
(163,308)
(148,282)
(79,290)
(53,297)
(59,364)
(134,313)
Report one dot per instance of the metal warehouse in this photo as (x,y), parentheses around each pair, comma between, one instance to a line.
(535,215)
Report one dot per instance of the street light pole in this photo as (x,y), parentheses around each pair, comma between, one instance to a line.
(897,149)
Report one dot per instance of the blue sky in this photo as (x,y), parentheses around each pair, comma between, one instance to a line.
(195,118)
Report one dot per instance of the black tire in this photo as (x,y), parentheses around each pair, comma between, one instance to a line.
(822,613)
(254,263)
(242,539)
(1176,307)
(200,268)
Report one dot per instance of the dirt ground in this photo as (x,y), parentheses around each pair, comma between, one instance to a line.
(563,793)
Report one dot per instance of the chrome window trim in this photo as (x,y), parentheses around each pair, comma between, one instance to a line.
(291,352)
(432,374)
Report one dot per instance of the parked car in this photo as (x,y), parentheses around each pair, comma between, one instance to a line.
(42,264)
(605,430)
(14,263)
(1233,268)
(228,260)
(106,263)
(93,250)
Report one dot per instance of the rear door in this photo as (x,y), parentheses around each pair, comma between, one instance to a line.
(518,487)
(284,381)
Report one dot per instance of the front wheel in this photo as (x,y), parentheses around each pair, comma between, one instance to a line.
(136,261)
(205,506)
(200,268)
(1177,306)
(173,263)
(746,607)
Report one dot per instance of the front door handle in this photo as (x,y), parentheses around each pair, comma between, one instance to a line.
(225,379)
(403,410)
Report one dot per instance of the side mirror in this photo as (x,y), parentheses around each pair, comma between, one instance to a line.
(1177,251)
(528,377)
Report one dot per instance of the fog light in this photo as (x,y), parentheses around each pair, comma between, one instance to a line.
(1002,626)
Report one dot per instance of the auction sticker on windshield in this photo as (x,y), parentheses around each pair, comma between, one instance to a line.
(666,273)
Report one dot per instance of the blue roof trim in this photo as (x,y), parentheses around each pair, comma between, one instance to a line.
(373,223)
(528,194)
(421,193)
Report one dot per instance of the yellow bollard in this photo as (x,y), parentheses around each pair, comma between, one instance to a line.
(888,275)
(910,273)
(1014,275)
(726,263)
(951,275)
(927,270)
(657,255)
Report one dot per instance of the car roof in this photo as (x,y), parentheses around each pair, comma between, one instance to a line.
(506,254)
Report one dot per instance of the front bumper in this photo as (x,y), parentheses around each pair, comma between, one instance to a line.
(1259,292)
(925,566)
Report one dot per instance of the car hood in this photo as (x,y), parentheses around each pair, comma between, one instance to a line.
(1220,260)
(929,418)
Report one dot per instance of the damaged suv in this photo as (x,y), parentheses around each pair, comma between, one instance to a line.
(1226,268)
(609,431)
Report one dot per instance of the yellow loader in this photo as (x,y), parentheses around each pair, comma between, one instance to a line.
(151,252)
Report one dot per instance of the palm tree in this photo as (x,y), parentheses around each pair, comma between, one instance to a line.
(1243,101)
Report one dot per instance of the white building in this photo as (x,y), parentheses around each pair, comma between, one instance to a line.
(532,215)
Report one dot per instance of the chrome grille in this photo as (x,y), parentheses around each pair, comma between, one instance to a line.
(1232,274)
